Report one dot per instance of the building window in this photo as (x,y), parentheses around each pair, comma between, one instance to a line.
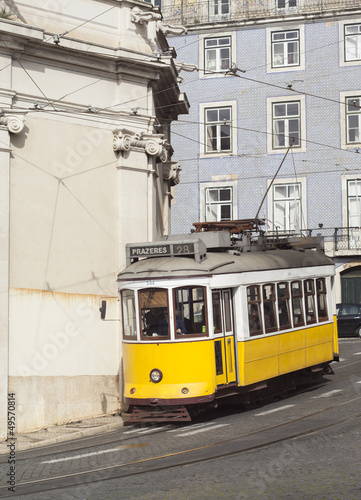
(219,204)
(286,4)
(219,8)
(286,117)
(217,54)
(287,207)
(285,48)
(353,115)
(352,42)
(218,129)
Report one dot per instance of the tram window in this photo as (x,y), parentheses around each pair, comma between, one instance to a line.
(227,311)
(154,313)
(254,310)
(269,302)
(190,311)
(283,306)
(321,299)
(309,301)
(297,308)
(128,313)
(216,300)
(219,357)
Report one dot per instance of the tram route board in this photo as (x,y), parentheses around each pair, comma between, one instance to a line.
(137,251)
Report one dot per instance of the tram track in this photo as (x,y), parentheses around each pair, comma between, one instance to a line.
(297,428)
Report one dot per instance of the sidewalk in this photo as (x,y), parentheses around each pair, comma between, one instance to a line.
(65,432)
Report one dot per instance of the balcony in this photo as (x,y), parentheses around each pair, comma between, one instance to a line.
(195,12)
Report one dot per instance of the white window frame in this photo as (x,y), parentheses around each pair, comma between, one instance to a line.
(202,61)
(205,186)
(344,120)
(233,132)
(303,200)
(217,5)
(301,49)
(286,99)
(345,197)
(342,44)
(287,8)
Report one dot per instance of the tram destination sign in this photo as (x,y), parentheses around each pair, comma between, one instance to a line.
(136,251)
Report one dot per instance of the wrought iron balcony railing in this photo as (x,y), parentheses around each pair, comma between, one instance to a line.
(194,12)
(336,239)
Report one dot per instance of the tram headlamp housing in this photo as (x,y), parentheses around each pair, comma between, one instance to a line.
(156,375)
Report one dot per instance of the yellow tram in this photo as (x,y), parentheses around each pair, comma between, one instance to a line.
(212,315)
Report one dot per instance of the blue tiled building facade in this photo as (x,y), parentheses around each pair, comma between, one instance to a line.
(263,78)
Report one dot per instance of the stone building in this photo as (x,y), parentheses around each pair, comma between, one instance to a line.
(259,73)
(88,92)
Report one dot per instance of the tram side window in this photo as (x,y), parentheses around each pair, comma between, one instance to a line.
(283,306)
(190,311)
(297,307)
(254,310)
(154,313)
(309,301)
(269,308)
(128,314)
(321,299)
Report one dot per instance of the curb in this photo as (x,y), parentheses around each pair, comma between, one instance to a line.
(63,438)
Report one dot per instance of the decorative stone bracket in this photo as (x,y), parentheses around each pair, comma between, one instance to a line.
(13,123)
(171,171)
(171,28)
(141,17)
(152,144)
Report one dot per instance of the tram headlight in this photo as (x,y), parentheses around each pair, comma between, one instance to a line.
(156,375)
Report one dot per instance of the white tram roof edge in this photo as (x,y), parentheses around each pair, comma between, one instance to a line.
(216,263)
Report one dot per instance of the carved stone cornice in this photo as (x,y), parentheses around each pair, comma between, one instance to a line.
(139,16)
(171,171)
(152,144)
(14,123)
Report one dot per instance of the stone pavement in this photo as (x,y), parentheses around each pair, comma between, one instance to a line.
(65,432)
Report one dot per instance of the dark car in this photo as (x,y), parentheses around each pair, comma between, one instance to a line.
(349,320)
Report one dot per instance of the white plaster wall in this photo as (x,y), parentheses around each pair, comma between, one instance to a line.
(64,208)
(107,22)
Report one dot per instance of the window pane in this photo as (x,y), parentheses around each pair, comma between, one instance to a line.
(212,115)
(297,307)
(225,194)
(279,109)
(154,312)
(216,299)
(190,312)
(224,114)
(292,108)
(129,318)
(254,313)
(283,306)
(309,301)
(269,308)
(321,299)
(226,212)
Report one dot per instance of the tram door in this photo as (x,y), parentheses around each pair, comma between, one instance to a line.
(223,337)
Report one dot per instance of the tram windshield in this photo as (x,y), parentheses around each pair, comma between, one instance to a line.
(154,312)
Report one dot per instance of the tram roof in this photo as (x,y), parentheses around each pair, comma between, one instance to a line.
(217,263)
